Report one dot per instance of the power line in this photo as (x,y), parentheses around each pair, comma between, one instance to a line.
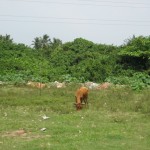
(97,1)
(70,3)
(78,19)
(77,23)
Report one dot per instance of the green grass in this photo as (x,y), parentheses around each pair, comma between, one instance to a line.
(116,119)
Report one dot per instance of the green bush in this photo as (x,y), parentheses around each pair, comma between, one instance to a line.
(137,81)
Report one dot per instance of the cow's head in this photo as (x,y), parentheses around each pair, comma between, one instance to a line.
(78,106)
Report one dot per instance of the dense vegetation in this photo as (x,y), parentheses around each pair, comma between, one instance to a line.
(80,60)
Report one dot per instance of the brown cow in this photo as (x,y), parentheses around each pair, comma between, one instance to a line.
(80,96)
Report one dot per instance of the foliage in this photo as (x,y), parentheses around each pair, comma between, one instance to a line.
(136,53)
(44,45)
(19,62)
(77,61)
(69,79)
(91,61)
(137,81)
(42,42)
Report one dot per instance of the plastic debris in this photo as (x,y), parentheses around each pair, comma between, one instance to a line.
(43,129)
(45,117)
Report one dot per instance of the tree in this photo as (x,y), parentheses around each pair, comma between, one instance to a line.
(56,43)
(42,42)
(37,43)
(135,54)
(6,38)
(45,46)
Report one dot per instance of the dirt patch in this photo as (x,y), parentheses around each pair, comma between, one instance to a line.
(23,134)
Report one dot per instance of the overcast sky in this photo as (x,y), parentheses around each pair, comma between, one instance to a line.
(100,21)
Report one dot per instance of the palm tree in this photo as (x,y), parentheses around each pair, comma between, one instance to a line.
(56,43)
(46,41)
(37,44)
(42,42)
(6,38)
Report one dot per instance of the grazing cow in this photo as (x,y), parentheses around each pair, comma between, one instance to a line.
(36,84)
(80,96)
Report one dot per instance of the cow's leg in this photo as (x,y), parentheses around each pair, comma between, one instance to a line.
(86,100)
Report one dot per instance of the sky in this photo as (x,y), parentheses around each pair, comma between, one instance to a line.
(99,21)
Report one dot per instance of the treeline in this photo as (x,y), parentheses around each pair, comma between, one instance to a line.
(77,61)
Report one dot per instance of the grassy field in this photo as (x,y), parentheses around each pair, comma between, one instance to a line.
(116,119)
